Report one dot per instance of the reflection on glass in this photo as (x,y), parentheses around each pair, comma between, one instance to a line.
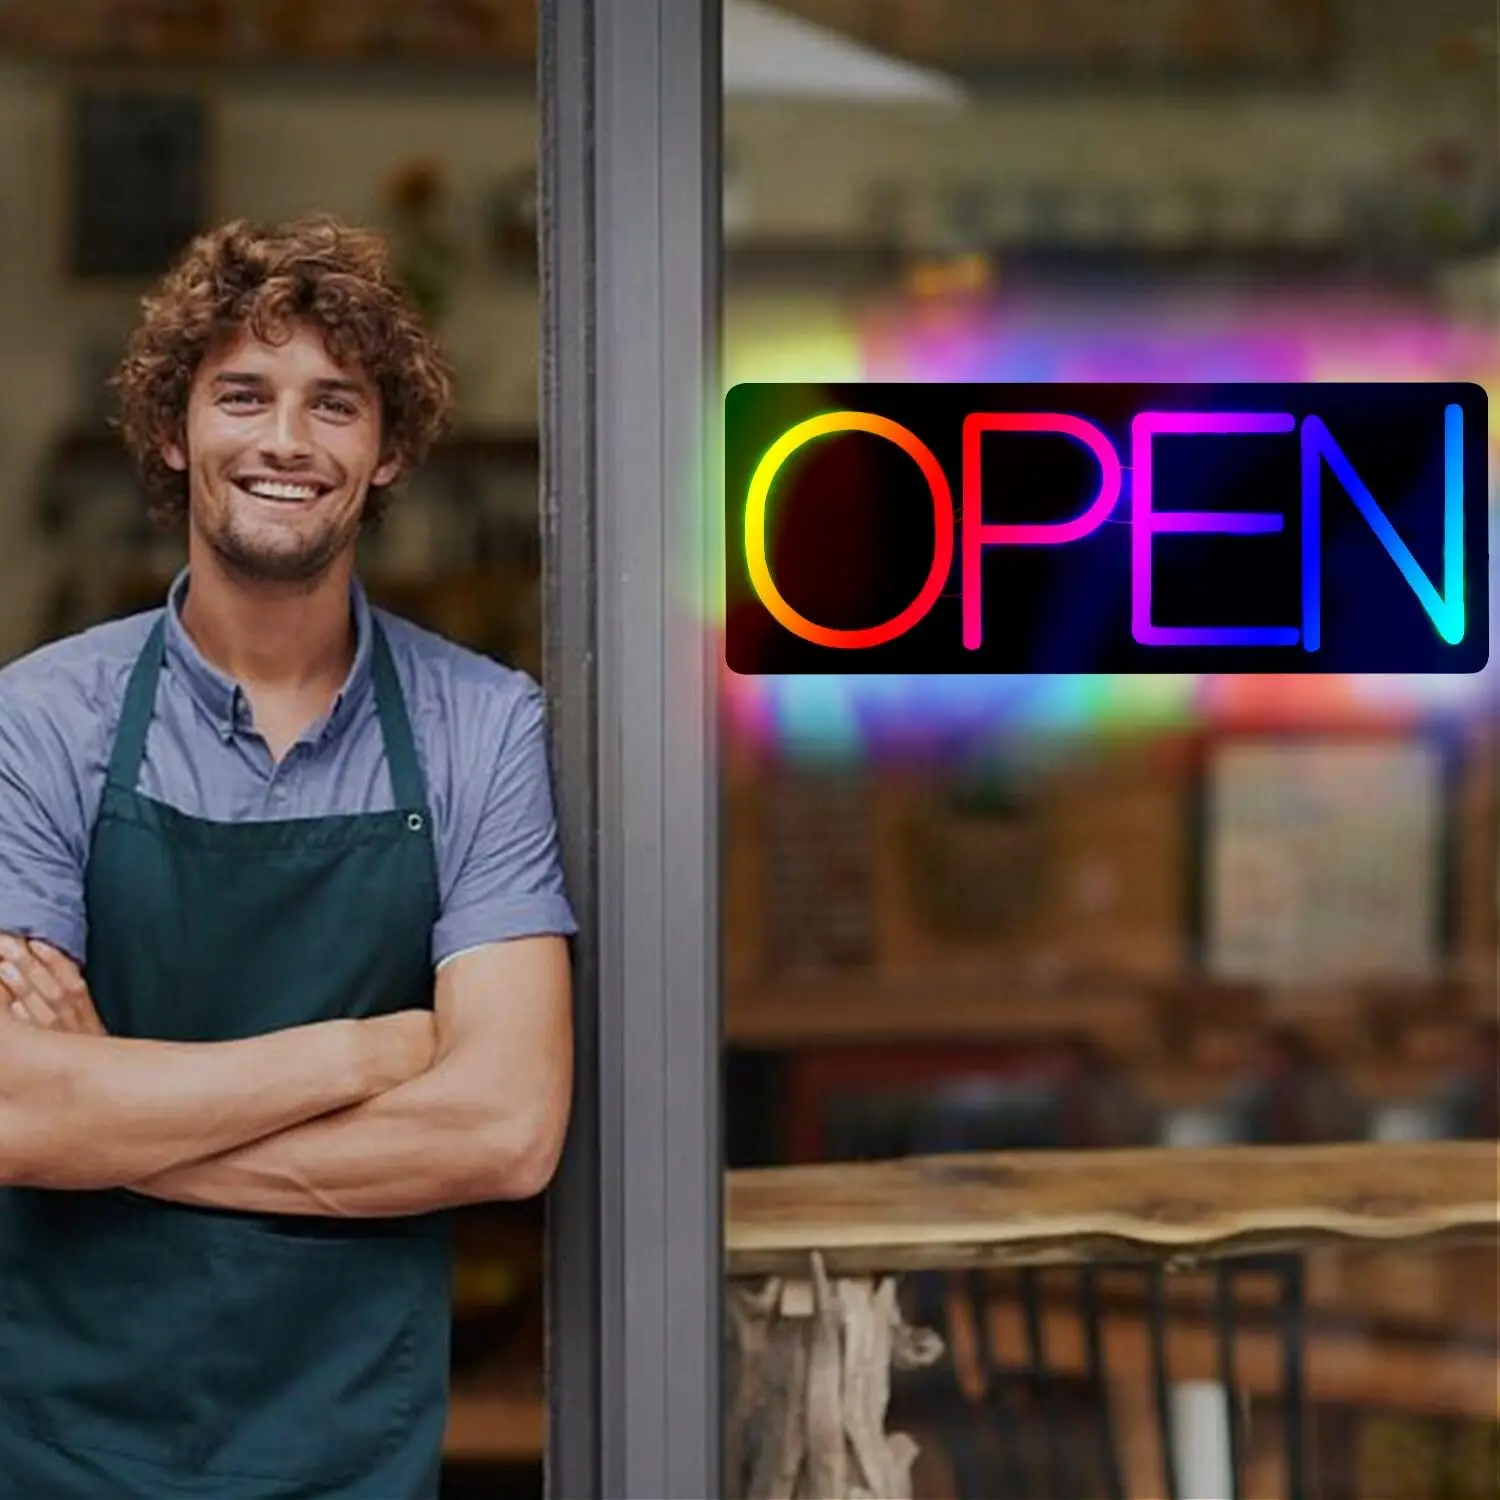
(992,914)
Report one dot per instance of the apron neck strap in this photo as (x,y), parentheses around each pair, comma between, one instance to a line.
(407,787)
(135,716)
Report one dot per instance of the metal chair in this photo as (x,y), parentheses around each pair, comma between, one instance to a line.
(1045,1431)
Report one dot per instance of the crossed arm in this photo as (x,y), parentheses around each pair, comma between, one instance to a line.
(395,1115)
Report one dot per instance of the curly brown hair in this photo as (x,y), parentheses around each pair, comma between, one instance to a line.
(267,278)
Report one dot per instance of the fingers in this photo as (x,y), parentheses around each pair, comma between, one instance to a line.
(28,969)
(73,1002)
(58,964)
(35,1012)
(25,999)
(45,987)
(25,1003)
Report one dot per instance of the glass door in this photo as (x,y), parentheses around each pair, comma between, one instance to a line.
(1169,933)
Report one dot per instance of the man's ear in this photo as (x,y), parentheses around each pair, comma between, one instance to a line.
(386,474)
(173,457)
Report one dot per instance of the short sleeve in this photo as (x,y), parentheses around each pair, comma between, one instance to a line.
(42,853)
(510,882)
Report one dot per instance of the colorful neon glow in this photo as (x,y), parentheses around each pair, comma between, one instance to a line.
(979,533)
(1445,610)
(755,529)
(1124,334)
(1146,522)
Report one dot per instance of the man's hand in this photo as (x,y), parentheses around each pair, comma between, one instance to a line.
(88,1111)
(44,987)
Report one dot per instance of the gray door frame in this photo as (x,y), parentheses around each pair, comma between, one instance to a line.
(630,251)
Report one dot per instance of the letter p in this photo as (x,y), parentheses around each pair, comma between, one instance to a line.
(979,533)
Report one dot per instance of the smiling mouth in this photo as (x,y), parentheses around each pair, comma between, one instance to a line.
(283,491)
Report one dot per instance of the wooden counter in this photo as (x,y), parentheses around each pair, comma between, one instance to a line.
(1183,1206)
(815,1254)
(1058,1207)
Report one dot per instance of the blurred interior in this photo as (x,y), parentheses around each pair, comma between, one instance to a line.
(1040,913)
(959,914)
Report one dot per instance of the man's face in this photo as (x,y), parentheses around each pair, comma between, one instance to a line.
(281,446)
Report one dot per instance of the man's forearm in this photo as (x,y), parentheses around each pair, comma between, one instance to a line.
(412,1150)
(80,1111)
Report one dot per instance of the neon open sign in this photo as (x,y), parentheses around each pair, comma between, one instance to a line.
(1107,528)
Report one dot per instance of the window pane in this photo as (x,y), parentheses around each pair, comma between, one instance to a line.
(966,915)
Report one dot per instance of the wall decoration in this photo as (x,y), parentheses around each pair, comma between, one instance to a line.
(139,180)
(1325,859)
(974,861)
(819,864)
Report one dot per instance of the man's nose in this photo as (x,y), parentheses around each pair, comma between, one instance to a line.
(286,436)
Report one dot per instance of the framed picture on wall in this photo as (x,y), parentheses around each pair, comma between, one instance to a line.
(138,180)
(1325,860)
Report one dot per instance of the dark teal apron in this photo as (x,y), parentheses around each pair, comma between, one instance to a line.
(151,1351)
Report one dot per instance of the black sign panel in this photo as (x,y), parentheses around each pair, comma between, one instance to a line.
(1246,528)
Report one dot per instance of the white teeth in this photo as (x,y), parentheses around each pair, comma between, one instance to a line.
(269,491)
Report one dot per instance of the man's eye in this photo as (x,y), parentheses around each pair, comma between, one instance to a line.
(237,398)
(343,408)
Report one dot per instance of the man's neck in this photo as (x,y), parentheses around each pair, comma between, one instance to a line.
(293,638)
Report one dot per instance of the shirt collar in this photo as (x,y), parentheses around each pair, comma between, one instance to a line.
(224,700)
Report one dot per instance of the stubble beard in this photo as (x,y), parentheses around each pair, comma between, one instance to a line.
(248,556)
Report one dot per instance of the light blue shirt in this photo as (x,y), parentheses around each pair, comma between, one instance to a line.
(480,738)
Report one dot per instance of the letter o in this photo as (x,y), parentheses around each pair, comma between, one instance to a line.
(755,529)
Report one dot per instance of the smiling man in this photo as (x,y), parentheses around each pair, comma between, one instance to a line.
(283,929)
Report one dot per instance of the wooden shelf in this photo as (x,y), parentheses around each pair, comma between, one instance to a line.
(865,1008)
(1127,1018)
(166,32)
